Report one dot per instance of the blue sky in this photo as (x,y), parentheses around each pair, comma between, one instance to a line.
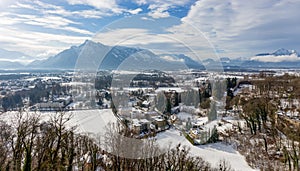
(232,28)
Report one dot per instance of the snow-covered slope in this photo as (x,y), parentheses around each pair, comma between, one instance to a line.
(211,153)
(66,59)
(105,57)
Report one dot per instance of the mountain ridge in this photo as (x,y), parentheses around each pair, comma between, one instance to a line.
(117,56)
(279,59)
(280,52)
(111,58)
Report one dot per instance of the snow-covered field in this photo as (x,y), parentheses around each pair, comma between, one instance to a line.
(92,121)
(86,121)
(212,153)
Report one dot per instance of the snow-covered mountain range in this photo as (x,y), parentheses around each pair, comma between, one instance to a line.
(281,55)
(112,58)
(280,52)
(99,56)
(281,58)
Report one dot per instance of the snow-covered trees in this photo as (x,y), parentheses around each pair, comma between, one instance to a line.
(270,140)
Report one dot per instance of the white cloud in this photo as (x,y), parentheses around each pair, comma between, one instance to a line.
(134,37)
(171,58)
(239,28)
(101,8)
(116,36)
(4,4)
(22,5)
(163,2)
(107,5)
(272,58)
(158,11)
(88,14)
(42,17)
(246,28)
(159,8)
(36,44)
(93,13)
(77,30)
(135,11)
(190,43)
(9,20)
(141,2)
(147,18)
(46,9)
(44,5)
(48,21)
(51,21)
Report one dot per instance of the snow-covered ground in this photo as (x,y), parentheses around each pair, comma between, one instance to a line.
(92,121)
(95,121)
(211,153)
(86,121)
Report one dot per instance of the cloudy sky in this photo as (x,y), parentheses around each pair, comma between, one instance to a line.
(231,28)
